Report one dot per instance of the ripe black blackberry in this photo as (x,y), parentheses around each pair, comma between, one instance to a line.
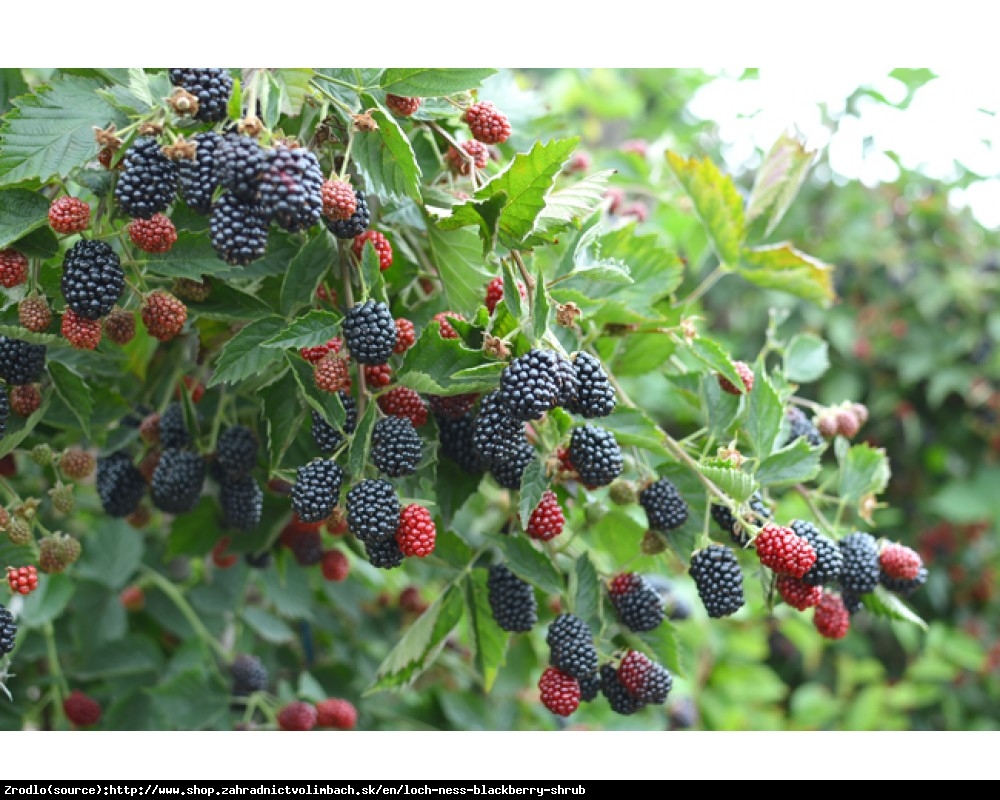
(657,685)
(174,433)
(533,384)
(316,490)
(861,570)
(594,396)
(120,484)
(249,675)
(719,580)
(571,646)
(357,223)
(595,455)
(212,86)
(242,502)
(590,686)
(373,510)
(512,601)
(148,181)
(92,279)
(396,446)
(384,553)
(618,697)
(291,190)
(21,362)
(235,451)
(8,631)
(369,332)
(239,166)
(665,509)
(196,177)
(638,605)
(496,435)
(904,586)
(799,425)
(508,473)
(852,602)
(726,520)
(455,439)
(238,230)
(258,560)
(177,481)
(829,558)
(326,436)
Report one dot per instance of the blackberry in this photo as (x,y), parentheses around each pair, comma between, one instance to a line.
(496,435)
(326,436)
(665,509)
(369,332)
(657,686)
(799,426)
(212,86)
(595,455)
(719,580)
(239,166)
(852,602)
(196,177)
(508,473)
(120,484)
(396,446)
(595,396)
(512,601)
(291,191)
(860,573)
(571,646)
(235,451)
(238,230)
(4,411)
(357,223)
(316,490)
(451,406)
(307,547)
(148,181)
(21,362)
(242,502)
(590,687)
(638,605)
(92,279)
(903,586)
(177,481)
(8,631)
(174,433)
(258,560)
(618,697)
(249,675)
(383,553)
(534,383)
(373,510)
(829,557)
(455,437)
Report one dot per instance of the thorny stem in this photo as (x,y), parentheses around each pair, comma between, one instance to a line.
(811,503)
(347,153)
(709,281)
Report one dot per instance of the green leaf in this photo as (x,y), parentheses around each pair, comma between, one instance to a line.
(371,275)
(189,702)
(452,550)
(526,181)
(459,260)
(531,564)
(489,641)
(433,366)
(864,470)
(305,272)
(19,429)
(385,158)
(632,426)
(717,203)
(74,392)
(40,243)
(294,86)
(424,82)
(283,414)
(21,212)
(194,533)
(764,415)
(656,269)
(782,267)
(111,555)
(587,592)
(361,440)
(806,358)
(736,483)
(133,655)
(266,625)
(328,405)
(313,329)
(12,84)
(883,603)
(574,202)
(534,482)
(51,133)
(796,463)
(778,181)
(512,298)
(485,214)
(244,355)
(421,643)
(48,601)
(711,354)
(662,641)
(541,310)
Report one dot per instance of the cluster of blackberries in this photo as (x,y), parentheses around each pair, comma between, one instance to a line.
(179,475)
(373,516)
(240,496)
(638,605)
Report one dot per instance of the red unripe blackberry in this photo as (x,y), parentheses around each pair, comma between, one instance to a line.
(411,601)
(512,600)
(298,716)
(83,334)
(332,374)
(831,618)
(336,713)
(402,401)
(219,556)
(369,331)
(826,424)
(396,447)
(314,354)
(453,406)
(718,579)
(494,293)
(445,328)
(339,201)
(119,326)
(403,106)
(416,533)
(473,154)
(638,605)
(68,215)
(132,598)
(487,123)
(797,593)
(25,399)
(848,424)
(378,376)
(33,313)
(780,549)
(633,670)
(571,646)
(81,710)
(77,464)
(13,268)
(335,566)
(899,562)
(382,247)
(22,580)
(154,235)
(192,386)
(746,376)
(559,692)
(665,509)
(406,336)
(547,520)
(163,315)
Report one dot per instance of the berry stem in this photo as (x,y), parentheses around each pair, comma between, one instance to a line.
(347,154)
(60,688)
(184,607)
(706,284)
(811,503)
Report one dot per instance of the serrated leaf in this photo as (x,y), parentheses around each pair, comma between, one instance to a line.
(361,440)
(373,284)
(662,641)
(327,404)
(531,564)
(24,334)
(75,393)
(540,310)
(266,625)
(47,602)
(484,214)
(386,160)
(189,701)
(50,133)
(424,82)
(576,201)
(512,298)
(313,329)
(111,555)
(764,415)
(654,267)
(305,272)
(421,643)
(778,181)
(736,483)
(40,243)
(782,267)
(489,641)
(533,485)
(796,463)
(632,426)
(18,428)
(193,533)
(21,212)
(883,603)
(452,550)
(863,470)
(283,415)
(244,356)
(806,358)
(459,261)
(587,592)
(431,366)
(711,354)
(133,655)
(294,88)
(717,203)
(193,256)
